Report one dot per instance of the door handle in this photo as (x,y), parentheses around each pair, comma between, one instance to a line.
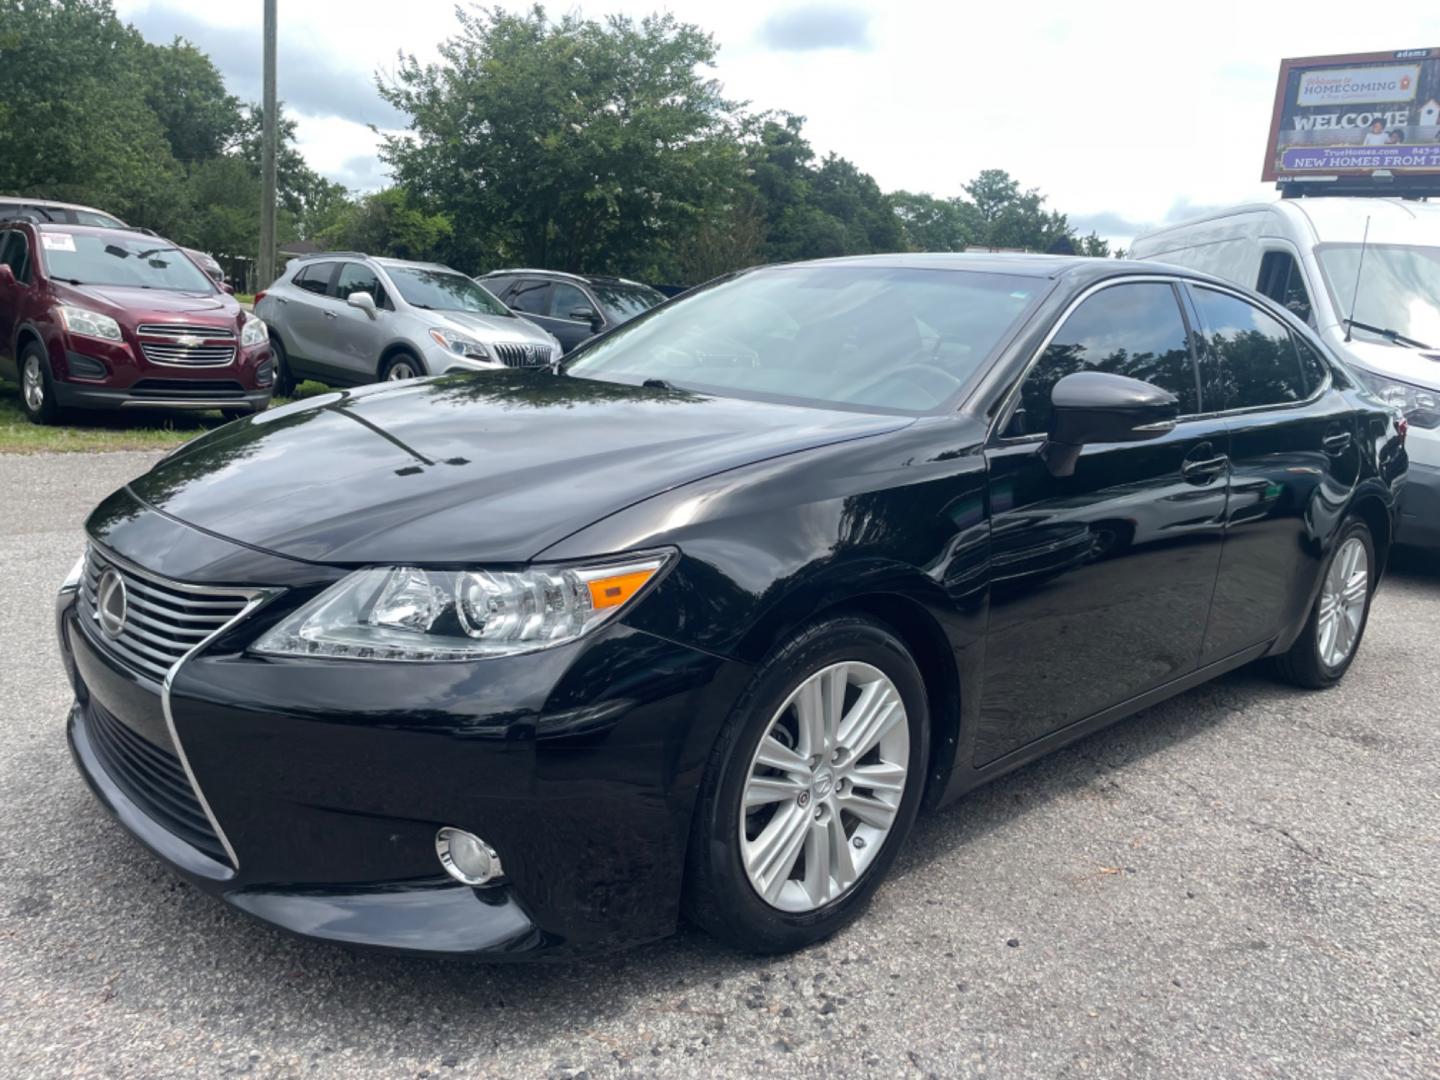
(331,315)
(1337,443)
(1203,470)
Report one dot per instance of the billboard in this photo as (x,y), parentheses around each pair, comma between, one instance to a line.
(1357,115)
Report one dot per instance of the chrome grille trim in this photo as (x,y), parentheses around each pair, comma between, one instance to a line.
(213,608)
(173,617)
(184,356)
(186,345)
(176,330)
(512,355)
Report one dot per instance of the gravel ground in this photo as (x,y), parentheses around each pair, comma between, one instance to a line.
(1241,882)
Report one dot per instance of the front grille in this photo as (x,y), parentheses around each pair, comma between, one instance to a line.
(185,345)
(160,622)
(522,355)
(152,778)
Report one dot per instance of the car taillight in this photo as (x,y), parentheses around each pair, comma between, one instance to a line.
(260,296)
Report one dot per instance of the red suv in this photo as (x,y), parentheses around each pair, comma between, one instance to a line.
(108,318)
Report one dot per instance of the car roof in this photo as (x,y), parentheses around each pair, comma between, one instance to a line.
(51,204)
(1016,263)
(1390,221)
(96,230)
(565,275)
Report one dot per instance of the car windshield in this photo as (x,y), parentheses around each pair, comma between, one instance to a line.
(864,336)
(142,262)
(623,302)
(443,290)
(1399,287)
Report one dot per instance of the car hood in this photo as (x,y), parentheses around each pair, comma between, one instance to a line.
(495,466)
(1416,366)
(157,301)
(499,328)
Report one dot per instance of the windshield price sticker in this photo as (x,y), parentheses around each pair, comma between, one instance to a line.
(57,241)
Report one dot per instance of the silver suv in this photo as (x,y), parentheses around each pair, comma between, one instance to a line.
(345,318)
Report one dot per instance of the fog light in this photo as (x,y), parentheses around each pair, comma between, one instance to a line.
(466,857)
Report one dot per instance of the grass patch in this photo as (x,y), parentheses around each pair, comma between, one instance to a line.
(113,430)
(245,298)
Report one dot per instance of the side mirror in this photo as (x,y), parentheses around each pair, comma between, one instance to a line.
(364,301)
(226,288)
(7,276)
(588,315)
(1097,407)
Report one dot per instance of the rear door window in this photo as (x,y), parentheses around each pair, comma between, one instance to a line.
(315,278)
(1134,330)
(1259,364)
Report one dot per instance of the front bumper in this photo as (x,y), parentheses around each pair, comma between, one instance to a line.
(1419,524)
(579,765)
(193,395)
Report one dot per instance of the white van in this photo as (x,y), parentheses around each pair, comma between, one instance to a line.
(1305,255)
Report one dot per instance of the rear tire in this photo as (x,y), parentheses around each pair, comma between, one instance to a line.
(284,378)
(788,841)
(37,392)
(1327,646)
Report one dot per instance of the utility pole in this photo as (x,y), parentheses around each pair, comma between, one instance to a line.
(265,270)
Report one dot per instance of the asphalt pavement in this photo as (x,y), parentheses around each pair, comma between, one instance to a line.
(1241,882)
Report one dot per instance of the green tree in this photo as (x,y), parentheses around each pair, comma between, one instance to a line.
(929,223)
(566,143)
(385,223)
(187,94)
(74,122)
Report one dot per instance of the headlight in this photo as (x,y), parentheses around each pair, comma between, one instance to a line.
(86,323)
(1420,406)
(404,613)
(459,344)
(254,332)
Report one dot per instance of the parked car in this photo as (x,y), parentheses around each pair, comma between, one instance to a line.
(700,619)
(207,263)
(13,207)
(1381,314)
(101,318)
(346,319)
(40,211)
(573,307)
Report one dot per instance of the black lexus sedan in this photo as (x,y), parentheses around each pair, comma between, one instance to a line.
(536,662)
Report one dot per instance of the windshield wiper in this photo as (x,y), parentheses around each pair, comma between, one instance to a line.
(1392,335)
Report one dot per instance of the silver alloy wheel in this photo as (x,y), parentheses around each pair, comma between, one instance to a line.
(1342,602)
(824,786)
(32,384)
(400,369)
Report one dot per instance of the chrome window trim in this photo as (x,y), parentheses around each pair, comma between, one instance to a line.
(1007,404)
(254,599)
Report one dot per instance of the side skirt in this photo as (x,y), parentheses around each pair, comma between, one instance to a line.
(965,779)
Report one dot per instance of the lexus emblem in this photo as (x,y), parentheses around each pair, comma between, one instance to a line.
(111,604)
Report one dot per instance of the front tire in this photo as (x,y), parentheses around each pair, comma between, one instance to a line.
(1327,646)
(401,366)
(37,392)
(811,789)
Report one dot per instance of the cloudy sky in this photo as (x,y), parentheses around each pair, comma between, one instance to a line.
(1122,113)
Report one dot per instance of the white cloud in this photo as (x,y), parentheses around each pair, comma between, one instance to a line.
(1119,111)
